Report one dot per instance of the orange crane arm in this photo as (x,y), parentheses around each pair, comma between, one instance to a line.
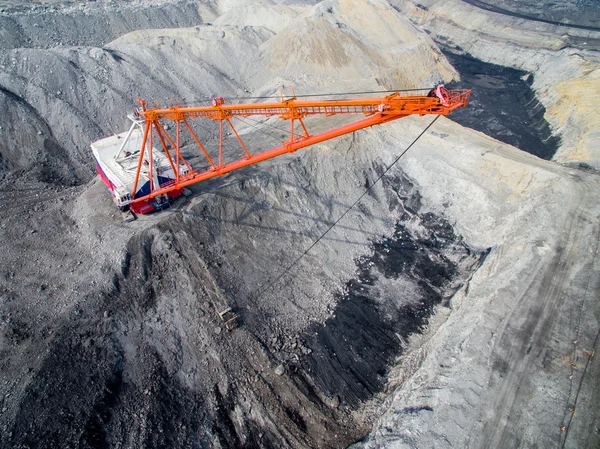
(292,108)
(376,111)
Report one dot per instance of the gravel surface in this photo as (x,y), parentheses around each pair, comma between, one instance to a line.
(440,309)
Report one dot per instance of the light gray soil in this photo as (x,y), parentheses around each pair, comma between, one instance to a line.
(439,312)
(579,13)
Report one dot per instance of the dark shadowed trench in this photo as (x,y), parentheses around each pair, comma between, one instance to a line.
(503,106)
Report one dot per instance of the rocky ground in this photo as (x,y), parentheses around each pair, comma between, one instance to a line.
(442,311)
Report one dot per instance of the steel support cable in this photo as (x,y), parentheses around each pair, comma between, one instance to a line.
(591,355)
(367,190)
(264,97)
(260,127)
(264,123)
(334,94)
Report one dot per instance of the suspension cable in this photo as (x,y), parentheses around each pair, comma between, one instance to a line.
(367,190)
(330,94)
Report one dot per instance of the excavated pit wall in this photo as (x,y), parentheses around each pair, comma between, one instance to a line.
(145,361)
(60,88)
(147,364)
(562,59)
(503,105)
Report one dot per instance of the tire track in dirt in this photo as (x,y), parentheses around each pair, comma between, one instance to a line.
(520,353)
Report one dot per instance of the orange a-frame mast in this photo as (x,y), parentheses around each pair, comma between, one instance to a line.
(375,111)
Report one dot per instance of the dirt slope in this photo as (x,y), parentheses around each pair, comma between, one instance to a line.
(503,370)
(109,333)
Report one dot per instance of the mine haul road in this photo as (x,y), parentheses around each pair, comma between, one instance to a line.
(547,322)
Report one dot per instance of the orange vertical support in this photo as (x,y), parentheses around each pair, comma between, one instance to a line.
(177,150)
(151,180)
(159,131)
(220,143)
(137,173)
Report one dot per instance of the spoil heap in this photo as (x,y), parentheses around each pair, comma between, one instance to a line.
(109,331)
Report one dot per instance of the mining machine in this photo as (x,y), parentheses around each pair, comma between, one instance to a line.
(143,178)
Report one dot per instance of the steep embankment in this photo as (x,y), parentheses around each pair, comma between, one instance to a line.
(110,333)
(507,345)
(58,96)
(92,24)
(563,61)
(504,106)
(513,365)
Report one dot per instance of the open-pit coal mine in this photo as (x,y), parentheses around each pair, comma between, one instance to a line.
(427,282)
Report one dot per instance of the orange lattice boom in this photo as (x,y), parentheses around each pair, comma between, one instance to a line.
(175,172)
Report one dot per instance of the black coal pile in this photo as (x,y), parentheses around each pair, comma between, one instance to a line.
(504,106)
